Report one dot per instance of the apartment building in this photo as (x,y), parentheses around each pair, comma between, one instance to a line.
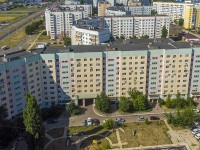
(59,19)
(89,35)
(188,17)
(116,11)
(197,20)
(102,8)
(128,26)
(87,9)
(139,10)
(156,67)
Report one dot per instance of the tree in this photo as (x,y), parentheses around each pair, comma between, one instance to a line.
(145,37)
(33,123)
(154,12)
(125,105)
(164,32)
(140,101)
(67,41)
(109,124)
(102,102)
(147,121)
(168,102)
(180,22)
(122,37)
(161,102)
(73,109)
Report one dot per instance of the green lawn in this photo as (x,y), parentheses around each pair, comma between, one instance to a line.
(57,132)
(113,137)
(102,143)
(86,130)
(146,135)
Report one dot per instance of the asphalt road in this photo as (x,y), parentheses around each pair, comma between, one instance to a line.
(15,29)
(15,21)
(65,120)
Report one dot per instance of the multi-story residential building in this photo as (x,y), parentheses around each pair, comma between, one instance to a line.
(175,10)
(116,11)
(188,17)
(130,26)
(102,8)
(59,19)
(139,10)
(112,2)
(89,35)
(69,2)
(156,67)
(87,9)
(59,24)
(134,3)
(197,19)
(150,25)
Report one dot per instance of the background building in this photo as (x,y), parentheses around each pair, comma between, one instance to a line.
(102,8)
(116,11)
(139,10)
(89,35)
(155,67)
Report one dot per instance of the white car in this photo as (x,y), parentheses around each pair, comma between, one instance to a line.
(197,136)
(196,123)
(89,121)
(195,131)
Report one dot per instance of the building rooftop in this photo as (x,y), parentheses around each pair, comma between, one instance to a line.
(116,8)
(87,27)
(118,45)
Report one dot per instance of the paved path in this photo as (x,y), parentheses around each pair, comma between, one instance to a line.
(118,139)
(33,43)
(49,137)
(65,132)
(182,136)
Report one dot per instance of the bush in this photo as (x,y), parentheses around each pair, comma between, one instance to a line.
(73,109)
(147,121)
(52,112)
(109,124)
(44,33)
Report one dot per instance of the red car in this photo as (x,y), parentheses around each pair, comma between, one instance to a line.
(154,118)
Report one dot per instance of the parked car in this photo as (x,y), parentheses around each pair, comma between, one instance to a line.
(192,127)
(195,131)
(154,118)
(96,121)
(50,121)
(84,122)
(141,118)
(197,136)
(119,120)
(196,123)
(89,121)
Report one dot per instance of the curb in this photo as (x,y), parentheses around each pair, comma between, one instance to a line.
(145,113)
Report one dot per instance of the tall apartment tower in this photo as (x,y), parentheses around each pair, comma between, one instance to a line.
(102,8)
(188,16)
(197,18)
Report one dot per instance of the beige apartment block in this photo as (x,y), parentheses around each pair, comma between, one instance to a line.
(102,8)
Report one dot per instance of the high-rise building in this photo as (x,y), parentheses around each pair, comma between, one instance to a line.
(102,8)
(197,18)
(188,16)
(155,67)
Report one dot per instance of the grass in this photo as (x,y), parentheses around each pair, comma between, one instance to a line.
(16,37)
(113,137)
(57,132)
(35,9)
(7,18)
(44,38)
(101,143)
(6,30)
(86,130)
(2,1)
(122,136)
(146,135)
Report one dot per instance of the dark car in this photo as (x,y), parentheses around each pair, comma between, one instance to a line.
(154,118)
(52,121)
(96,121)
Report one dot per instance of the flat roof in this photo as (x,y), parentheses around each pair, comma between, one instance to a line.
(118,45)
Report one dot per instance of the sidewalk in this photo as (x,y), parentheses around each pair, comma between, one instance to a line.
(155,111)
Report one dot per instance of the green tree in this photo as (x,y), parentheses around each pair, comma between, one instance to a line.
(73,109)
(180,22)
(109,124)
(140,101)
(33,123)
(102,102)
(168,102)
(125,105)
(145,37)
(147,121)
(161,102)
(189,116)
(67,41)
(164,32)
(154,12)
(122,37)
